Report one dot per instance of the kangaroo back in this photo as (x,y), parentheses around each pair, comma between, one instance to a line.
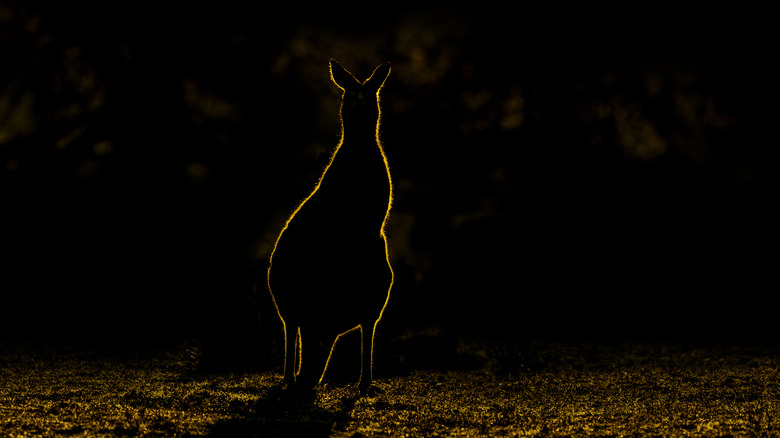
(329,271)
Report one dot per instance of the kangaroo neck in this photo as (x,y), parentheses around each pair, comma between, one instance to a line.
(358,132)
(358,163)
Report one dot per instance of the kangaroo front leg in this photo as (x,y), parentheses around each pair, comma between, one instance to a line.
(367,353)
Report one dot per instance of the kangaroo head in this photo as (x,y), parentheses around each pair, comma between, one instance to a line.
(360,100)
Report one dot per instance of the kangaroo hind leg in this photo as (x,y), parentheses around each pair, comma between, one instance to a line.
(313,363)
(292,353)
(367,355)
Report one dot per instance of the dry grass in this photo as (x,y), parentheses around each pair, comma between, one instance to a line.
(575,390)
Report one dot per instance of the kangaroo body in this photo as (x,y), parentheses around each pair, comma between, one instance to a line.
(329,272)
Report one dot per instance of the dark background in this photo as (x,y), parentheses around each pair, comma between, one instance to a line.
(559,173)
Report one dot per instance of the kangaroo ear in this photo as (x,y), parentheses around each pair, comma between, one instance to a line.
(377,78)
(341,76)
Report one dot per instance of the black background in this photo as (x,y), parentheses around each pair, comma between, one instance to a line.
(574,173)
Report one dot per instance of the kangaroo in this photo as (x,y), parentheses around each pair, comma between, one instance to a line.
(329,272)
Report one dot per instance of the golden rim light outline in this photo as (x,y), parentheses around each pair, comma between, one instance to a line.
(381,231)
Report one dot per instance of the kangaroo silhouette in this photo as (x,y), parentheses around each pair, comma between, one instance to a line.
(329,272)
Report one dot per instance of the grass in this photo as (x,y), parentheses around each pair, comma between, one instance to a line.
(571,390)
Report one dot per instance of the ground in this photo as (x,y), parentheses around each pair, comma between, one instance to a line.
(554,389)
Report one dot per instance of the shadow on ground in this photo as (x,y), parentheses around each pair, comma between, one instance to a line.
(282,414)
